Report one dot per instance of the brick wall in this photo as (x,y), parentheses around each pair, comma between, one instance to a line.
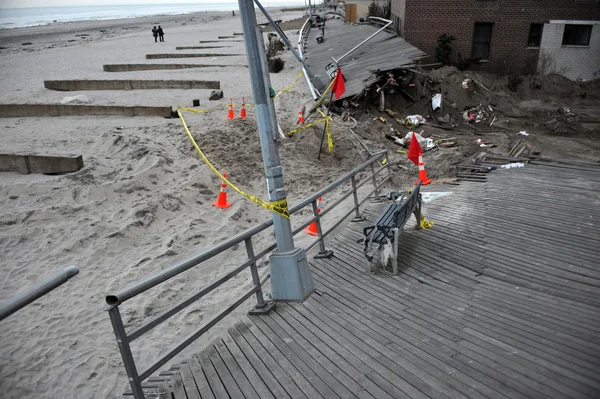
(425,20)
(574,62)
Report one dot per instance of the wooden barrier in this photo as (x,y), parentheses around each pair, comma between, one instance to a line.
(29,110)
(78,85)
(39,164)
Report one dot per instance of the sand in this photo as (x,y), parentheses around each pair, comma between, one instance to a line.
(141,203)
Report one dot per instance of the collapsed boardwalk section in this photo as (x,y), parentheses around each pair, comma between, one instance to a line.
(501,298)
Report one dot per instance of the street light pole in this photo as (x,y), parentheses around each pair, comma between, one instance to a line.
(290,277)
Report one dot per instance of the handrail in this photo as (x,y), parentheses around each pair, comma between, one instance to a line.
(144,285)
(386,23)
(301,37)
(26,297)
(125,338)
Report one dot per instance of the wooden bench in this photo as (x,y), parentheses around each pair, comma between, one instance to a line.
(386,230)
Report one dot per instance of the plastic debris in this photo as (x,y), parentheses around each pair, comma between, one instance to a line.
(431,196)
(413,121)
(436,101)
(523,133)
(513,165)
(478,114)
(467,84)
(484,145)
(425,143)
(80,99)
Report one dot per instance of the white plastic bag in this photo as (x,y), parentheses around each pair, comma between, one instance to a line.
(436,101)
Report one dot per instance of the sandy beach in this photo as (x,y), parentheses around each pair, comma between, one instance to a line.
(141,203)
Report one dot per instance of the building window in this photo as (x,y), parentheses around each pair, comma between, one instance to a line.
(482,37)
(535,35)
(577,35)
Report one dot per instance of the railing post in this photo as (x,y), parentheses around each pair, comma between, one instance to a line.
(126,355)
(358,217)
(374,180)
(323,252)
(261,307)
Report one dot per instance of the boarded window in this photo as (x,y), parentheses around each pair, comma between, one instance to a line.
(482,38)
(577,35)
(535,35)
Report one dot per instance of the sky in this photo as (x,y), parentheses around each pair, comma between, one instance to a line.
(53,3)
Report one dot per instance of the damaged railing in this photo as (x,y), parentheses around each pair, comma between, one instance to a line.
(24,298)
(374,166)
(302,38)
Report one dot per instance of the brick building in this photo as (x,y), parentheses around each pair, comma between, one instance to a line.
(506,35)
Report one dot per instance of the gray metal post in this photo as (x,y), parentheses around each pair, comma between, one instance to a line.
(374,180)
(261,307)
(290,276)
(126,355)
(265,71)
(323,252)
(358,217)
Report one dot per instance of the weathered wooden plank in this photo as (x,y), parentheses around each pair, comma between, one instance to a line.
(314,379)
(253,377)
(236,372)
(270,372)
(177,389)
(256,337)
(212,377)
(200,379)
(189,384)
(228,381)
(333,376)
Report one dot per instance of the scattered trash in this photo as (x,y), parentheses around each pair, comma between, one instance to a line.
(513,165)
(432,196)
(567,111)
(382,119)
(484,145)
(467,84)
(215,95)
(413,121)
(426,143)
(478,114)
(391,113)
(493,120)
(446,144)
(436,101)
(80,99)
(120,128)
(523,133)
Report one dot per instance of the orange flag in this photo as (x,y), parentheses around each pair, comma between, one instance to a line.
(414,151)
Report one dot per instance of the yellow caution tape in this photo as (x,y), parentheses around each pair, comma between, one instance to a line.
(290,86)
(305,126)
(425,224)
(193,110)
(328,130)
(279,207)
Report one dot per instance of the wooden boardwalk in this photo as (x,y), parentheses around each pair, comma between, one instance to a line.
(500,299)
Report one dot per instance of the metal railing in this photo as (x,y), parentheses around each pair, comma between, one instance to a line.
(26,297)
(124,338)
(302,38)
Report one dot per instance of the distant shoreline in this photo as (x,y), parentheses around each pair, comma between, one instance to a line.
(33,32)
(291,7)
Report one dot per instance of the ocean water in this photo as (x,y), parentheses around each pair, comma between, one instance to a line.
(18,17)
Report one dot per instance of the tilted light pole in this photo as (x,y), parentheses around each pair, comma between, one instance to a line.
(290,276)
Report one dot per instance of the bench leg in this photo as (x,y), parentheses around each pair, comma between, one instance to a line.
(395,260)
(417,213)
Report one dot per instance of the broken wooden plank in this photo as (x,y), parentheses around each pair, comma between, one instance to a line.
(39,164)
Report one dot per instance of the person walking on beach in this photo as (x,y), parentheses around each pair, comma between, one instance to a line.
(161,34)
(155,34)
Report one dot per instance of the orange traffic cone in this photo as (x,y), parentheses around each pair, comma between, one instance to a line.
(222,200)
(243,111)
(230,114)
(312,229)
(300,116)
(422,173)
